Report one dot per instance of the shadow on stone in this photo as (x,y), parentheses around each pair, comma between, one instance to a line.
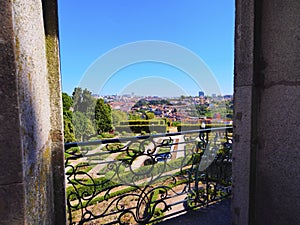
(217,214)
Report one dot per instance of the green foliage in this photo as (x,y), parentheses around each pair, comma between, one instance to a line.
(209,114)
(103,116)
(134,116)
(82,167)
(89,187)
(83,115)
(105,135)
(84,102)
(94,138)
(150,115)
(68,129)
(67,101)
(139,128)
(176,123)
(202,109)
(144,102)
(114,146)
(199,110)
(118,116)
(162,150)
(72,151)
(229,109)
(105,197)
(83,126)
(156,169)
(143,122)
(67,118)
(186,127)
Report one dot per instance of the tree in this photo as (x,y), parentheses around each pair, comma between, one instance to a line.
(67,101)
(134,116)
(84,113)
(150,115)
(84,102)
(202,109)
(77,98)
(144,102)
(118,116)
(67,117)
(83,126)
(68,128)
(103,117)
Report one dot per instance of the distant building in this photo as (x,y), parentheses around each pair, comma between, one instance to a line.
(201,94)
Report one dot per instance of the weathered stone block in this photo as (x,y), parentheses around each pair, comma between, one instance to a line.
(12,204)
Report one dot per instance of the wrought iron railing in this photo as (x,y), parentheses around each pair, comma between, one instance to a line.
(145,179)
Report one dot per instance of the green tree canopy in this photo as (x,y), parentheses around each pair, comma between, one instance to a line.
(103,117)
(84,102)
(83,114)
(67,101)
(134,116)
(68,129)
(83,126)
(202,109)
(150,115)
(144,102)
(118,116)
(67,117)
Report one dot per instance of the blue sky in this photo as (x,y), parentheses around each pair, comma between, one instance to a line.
(91,28)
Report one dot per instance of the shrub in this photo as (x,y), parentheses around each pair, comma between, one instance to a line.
(106,135)
(82,167)
(72,151)
(90,187)
(186,127)
(93,139)
(114,146)
(176,123)
(140,128)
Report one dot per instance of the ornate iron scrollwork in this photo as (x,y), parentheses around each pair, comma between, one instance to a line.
(140,180)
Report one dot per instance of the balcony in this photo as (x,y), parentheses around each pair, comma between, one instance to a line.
(149,179)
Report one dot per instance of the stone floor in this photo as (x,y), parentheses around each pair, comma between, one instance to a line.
(217,214)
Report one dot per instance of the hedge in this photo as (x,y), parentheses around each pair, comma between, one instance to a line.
(140,128)
(142,122)
(187,127)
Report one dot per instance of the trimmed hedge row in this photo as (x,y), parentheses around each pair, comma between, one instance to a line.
(187,127)
(142,122)
(140,128)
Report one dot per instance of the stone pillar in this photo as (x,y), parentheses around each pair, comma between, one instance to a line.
(266,171)
(31,150)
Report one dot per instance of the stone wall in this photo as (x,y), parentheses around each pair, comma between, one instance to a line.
(266,172)
(30,116)
(11,153)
